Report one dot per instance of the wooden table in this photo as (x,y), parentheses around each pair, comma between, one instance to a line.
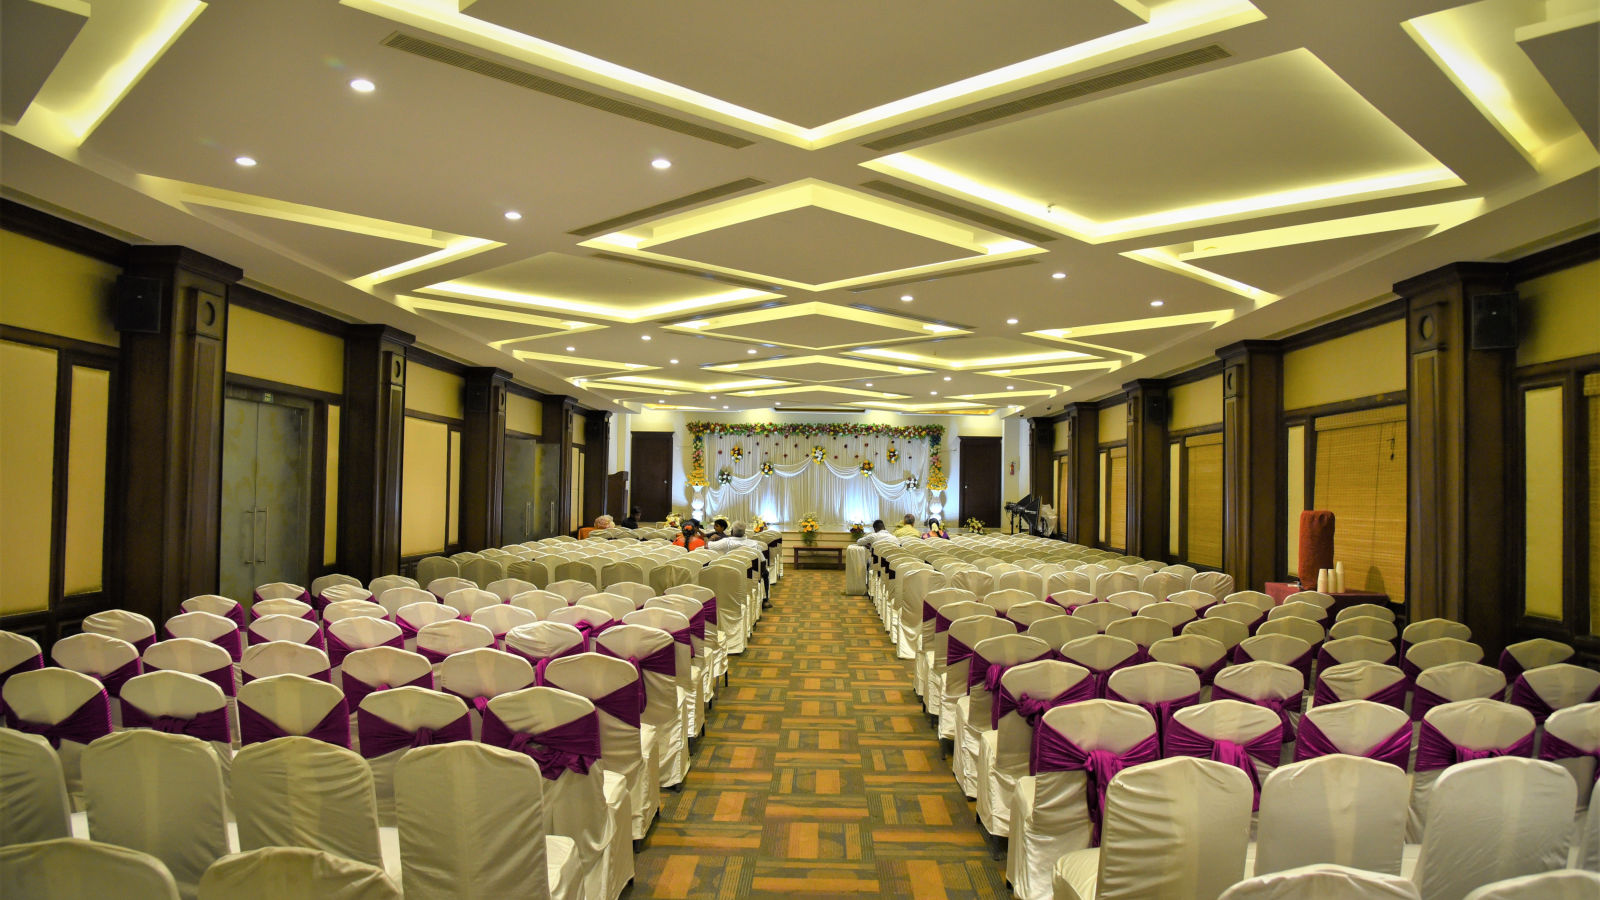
(834,557)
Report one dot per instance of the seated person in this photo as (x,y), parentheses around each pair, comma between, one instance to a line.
(907,527)
(935,530)
(604,522)
(690,538)
(879,530)
(735,539)
(632,521)
(719,530)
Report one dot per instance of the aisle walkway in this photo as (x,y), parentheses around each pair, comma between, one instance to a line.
(819,774)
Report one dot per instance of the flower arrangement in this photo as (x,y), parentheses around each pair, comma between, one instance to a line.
(892,455)
(809,526)
(737,453)
(758,526)
(817,429)
(912,483)
(766,467)
(818,454)
(975,526)
(697,462)
(857,529)
(866,467)
(725,476)
(674,520)
(936,476)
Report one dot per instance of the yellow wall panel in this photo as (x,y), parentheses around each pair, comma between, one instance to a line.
(330,496)
(429,390)
(46,288)
(1368,362)
(1295,495)
(523,414)
(27,467)
(452,513)
(262,346)
(1114,423)
(577,430)
(1196,403)
(1560,315)
(423,483)
(1063,434)
(86,481)
(1543,516)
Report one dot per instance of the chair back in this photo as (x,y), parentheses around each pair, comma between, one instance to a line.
(1491,819)
(1364,626)
(1134,601)
(1196,810)
(1294,626)
(638,591)
(1337,809)
(1101,614)
(1425,655)
(194,657)
(282,627)
(1543,690)
(1572,740)
(1029,612)
(572,589)
(109,660)
(506,588)
(1309,611)
(1058,630)
(501,618)
(273,872)
(397,598)
(470,600)
(539,602)
(339,610)
(438,640)
(1198,652)
(433,568)
(1323,880)
(1217,584)
(300,792)
(284,658)
(1142,630)
(1366,611)
(1175,615)
(281,705)
(33,791)
(614,605)
(121,624)
(179,703)
(1226,632)
(374,668)
(1100,652)
(1261,601)
(1428,629)
(216,604)
(384,582)
(483,570)
(1162,585)
(1355,728)
(481,674)
(1318,599)
(323,582)
(1114,583)
(1361,680)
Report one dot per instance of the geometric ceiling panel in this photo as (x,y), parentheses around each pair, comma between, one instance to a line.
(35,37)
(585,286)
(1064,375)
(1277,269)
(818,393)
(814,368)
(1565,55)
(575,366)
(1169,154)
(814,325)
(964,353)
(345,253)
(804,68)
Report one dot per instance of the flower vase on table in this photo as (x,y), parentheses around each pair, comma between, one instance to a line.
(808,529)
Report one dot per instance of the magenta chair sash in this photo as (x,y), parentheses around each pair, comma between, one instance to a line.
(1279,705)
(683,637)
(572,747)
(697,624)
(211,725)
(1102,677)
(479,703)
(433,656)
(1509,665)
(143,644)
(231,641)
(323,675)
(1054,752)
(305,597)
(1423,700)
(591,630)
(333,728)
(984,672)
(356,690)
(1032,708)
(621,704)
(235,613)
(309,615)
(710,609)
(1555,749)
(1209,673)
(1435,751)
(116,678)
(338,649)
(539,662)
(1068,607)
(1301,663)
(956,652)
(222,677)
(81,726)
(1161,710)
(408,631)
(1523,695)
(1394,695)
(663,662)
(1181,740)
(1311,742)
(379,736)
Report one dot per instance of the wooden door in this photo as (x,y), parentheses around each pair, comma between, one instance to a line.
(651,462)
(980,481)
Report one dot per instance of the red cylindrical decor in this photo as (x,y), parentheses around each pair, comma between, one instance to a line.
(1316,545)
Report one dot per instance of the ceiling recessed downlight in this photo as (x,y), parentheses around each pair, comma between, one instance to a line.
(513,215)
(661,162)
(644,337)
(751,351)
(363,86)
(1011,321)
(1058,275)
(1158,303)
(947,378)
(246,161)
(570,349)
(672,362)
(1011,387)
(906,298)
(934,393)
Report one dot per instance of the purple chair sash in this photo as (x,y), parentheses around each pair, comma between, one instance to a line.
(1181,740)
(1301,663)
(322,675)
(334,728)
(572,747)
(1555,749)
(697,624)
(338,649)
(379,736)
(222,677)
(1160,710)
(621,703)
(116,678)
(710,609)
(1523,695)
(356,690)
(984,672)
(591,630)
(231,641)
(956,652)
(1031,709)
(33,662)
(211,725)
(1435,751)
(1102,677)
(1423,700)
(1054,752)
(1279,705)
(309,615)
(1509,665)
(1325,660)
(143,644)
(236,614)
(1394,695)
(408,631)
(81,726)
(1209,673)
(539,662)
(663,662)
(1312,742)
(683,637)
(432,656)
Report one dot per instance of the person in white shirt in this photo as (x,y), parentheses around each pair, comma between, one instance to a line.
(878,532)
(736,538)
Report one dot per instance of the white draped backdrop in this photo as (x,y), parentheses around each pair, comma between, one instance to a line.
(835,490)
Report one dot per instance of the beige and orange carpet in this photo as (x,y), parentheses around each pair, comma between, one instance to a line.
(819,775)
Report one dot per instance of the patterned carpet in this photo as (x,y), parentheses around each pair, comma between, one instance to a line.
(819,775)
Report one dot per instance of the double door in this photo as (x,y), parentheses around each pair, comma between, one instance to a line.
(266,491)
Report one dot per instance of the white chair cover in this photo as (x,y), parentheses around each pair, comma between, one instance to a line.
(1364,626)
(1005,750)
(1323,882)
(341,593)
(300,792)
(108,660)
(665,710)
(274,872)
(639,592)
(1554,687)
(411,709)
(1141,629)
(1538,652)
(1114,583)
(1350,649)
(71,869)
(481,674)
(1564,884)
(1572,740)
(296,705)
(1263,602)
(1058,630)
(974,712)
(470,600)
(1226,632)
(1101,614)
(1453,681)
(180,696)
(340,610)
(1332,809)
(571,589)
(1476,724)
(280,606)
(33,794)
(1217,584)
(1438,651)
(1365,611)
(49,697)
(284,658)
(1315,598)
(397,598)
(277,589)
(323,582)
(438,640)
(284,627)
(383,667)
(1428,629)
(1491,819)
(121,624)
(506,588)
(1136,600)
(160,794)
(446,585)
(384,582)
(1162,585)
(968,632)
(1175,829)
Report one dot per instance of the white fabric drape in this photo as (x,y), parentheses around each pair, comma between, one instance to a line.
(836,489)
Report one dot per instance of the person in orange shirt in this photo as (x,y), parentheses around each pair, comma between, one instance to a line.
(690,539)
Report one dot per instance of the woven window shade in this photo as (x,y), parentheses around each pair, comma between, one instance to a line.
(1591,393)
(1063,490)
(1361,478)
(1203,482)
(1117,499)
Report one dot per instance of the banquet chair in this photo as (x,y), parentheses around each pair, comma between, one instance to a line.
(1058,630)
(703,637)
(446,585)
(974,580)
(470,600)
(506,588)
(1546,689)
(589,620)
(1364,626)
(123,625)
(1294,626)
(392,722)
(301,792)
(1158,688)
(663,719)
(1025,614)
(1438,651)
(160,794)
(1052,813)
(1269,685)
(1249,735)
(209,627)
(396,598)
(1133,601)
(1067,581)
(438,640)
(472,824)
(1560,884)
(539,602)
(1176,828)
(501,618)
(323,582)
(1323,881)
(621,572)
(1453,681)
(381,668)
(1572,739)
(483,571)
(1101,614)
(936,642)
(481,674)
(1162,585)
(1320,599)
(336,592)
(291,629)
(736,607)
(541,642)
(1202,654)
(1022,580)
(584,569)
(572,589)
(413,617)
(1142,630)
(66,708)
(1184,574)
(1003,599)
(1101,654)
(639,592)
(1071,600)
(274,872)
(1245,614)
(1366,611)
(1226,632)
(33,793)
(293,607)
(1337,809)
(912,589)
(1458,732)
(282,658)
(278,590)
(360,633)
(996,569)
(1361,680)
(1490,819)
(715,629)
(1198,601)
(432,568)
(1114,583)
(960,640)
(283,705)
(991,658)
(1355,728)
(1217,584)
(690,664)
(1027,691)
(1263,602)
(384,582)
(1428,629)
(614,605)
(108,660)
(1308,611)
(1173,615)
(194,657)
(180,703)
(1292,651)
(1532,654)
(71,869)
(534,570)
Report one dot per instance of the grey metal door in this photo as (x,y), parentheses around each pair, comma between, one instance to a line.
(519,516)
(265,491)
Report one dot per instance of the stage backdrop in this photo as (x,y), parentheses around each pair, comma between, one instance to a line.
(841,472)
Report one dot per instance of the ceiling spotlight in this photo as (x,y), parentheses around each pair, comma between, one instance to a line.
(1058,275)
(513,215)
(777,403)
(661,162)
(713,396)
(906,298)
(1011,321)
(1011,387)
(644,337)
(869,384)
(751,351)
(672,362)
(1158,303)
(724,406)
(947,378)
(934,393)
(246,161)
(362,86)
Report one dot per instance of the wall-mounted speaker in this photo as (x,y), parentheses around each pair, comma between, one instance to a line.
(136,304)
(1494,321)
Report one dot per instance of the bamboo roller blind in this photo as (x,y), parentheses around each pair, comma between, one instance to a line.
(1117,498)
(1591,394)
(1361,478)
(1203,484)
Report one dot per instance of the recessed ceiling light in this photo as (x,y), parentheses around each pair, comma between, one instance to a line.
(947,378)
(1158,303)
(661,162)
(1011,321)
(644,337)
(672,362)
(363,86)
(570,349)
(934,393)
(869,384)
(1011,387)
(246,161)
(751,351)
(1058,275)
(513,215)
(724,407)
(906,298)
(713,396)
(777,403)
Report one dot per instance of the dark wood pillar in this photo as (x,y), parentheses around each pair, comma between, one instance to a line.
(370,443)
(1080,521)
(1458,419)
(1253,464)
(596,452)
(483,456)
(1041,460)
(556,430)
(1147,468)
(172,456)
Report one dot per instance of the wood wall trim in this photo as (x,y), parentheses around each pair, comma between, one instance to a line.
(422,357)
(483,456)
(1572,253)
(278,387)
(56,231)
(1354,404)
(452,421)
(1198,373)
(1254,461)
(1081,521)
(267,304)
(370,440)
(522,390)
(103,353)
(1146,533)
(1361,321)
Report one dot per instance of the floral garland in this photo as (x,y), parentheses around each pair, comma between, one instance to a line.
(892,455)
(936,477)
(975,526)
(737,453)
(932,433)
(818,454)
(673,520)
(866,467)
(758,526)
(725,476)
(766,467)
(912,483)
(697,463)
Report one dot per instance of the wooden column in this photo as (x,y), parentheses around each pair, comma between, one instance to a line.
(596,452)
(172,455)
(483,456)
(1147,468)
(1080,522)
(1041,460)
(370,445)
(1253,464)
(1458,420)
(556,430)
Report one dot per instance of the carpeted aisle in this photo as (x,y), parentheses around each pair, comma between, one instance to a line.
(819,775)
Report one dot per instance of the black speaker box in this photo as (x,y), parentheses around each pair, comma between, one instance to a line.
(1494,321)
(136,304)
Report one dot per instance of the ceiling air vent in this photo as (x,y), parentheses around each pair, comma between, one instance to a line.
(451,56)
(651,212)
(1094,85)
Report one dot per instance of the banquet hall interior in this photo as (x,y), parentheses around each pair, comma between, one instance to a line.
(1227,373)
